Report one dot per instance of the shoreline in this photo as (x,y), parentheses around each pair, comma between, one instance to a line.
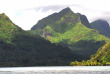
(58,68)
(56,72)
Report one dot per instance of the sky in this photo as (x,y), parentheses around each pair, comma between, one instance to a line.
(26,13)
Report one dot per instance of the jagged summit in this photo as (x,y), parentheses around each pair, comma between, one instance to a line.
(65,16)
(52,18)
(4,16)
(66,10)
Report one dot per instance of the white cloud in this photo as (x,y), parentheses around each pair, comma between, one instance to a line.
(26,19)
(26,13)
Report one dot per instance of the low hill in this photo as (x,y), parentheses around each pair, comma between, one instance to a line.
(103,54)
(101,58)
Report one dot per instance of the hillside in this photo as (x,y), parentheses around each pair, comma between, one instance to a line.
(100,58)
(21,48)
(72,30)
(102,26)
(7,28)
(103,54)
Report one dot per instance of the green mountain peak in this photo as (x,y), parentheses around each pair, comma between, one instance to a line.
(4,16)
(7,28)
(72,30)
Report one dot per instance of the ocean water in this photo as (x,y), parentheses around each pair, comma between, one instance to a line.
(57,70)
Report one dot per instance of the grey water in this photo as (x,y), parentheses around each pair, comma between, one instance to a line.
(57,70)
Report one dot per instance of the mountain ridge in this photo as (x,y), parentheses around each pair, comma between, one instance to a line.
(69,31)
(57,16)
(22,48)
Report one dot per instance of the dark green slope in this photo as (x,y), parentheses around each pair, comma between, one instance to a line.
(103,54)
(34,51)
(21,48)
(100,58)
(84,20)
(102,26)
(71,30)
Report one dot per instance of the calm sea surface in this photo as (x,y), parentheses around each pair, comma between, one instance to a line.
(57,70)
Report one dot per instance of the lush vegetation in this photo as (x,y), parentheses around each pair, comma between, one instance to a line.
(70,38)
(7,28)
(103,54)
(31,50)
(71,30)
(22,48)
(102,26)
(102,57)
(88,63)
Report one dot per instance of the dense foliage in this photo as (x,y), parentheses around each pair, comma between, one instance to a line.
(102,26)
(21,48)
(102,57)
(103,54)
(71,30)
(70,38)
(29,50)
(7,28)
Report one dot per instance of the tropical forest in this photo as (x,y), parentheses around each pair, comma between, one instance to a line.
(63,38)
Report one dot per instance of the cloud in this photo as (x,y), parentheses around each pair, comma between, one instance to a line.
(53,7)
(57,7)
(26,13)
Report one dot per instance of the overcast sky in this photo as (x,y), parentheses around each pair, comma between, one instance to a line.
(26,13)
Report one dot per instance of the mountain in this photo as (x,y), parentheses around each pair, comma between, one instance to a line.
(72,30)
(102,26)
(52,20)
(7,28)
(22,48)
